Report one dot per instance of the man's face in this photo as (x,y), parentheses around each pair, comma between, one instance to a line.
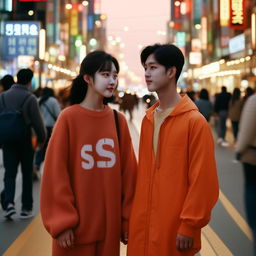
(155,74)
(105,82)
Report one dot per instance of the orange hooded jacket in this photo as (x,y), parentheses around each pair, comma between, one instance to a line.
(176,189)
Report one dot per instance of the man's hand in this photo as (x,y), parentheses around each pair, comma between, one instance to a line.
(66,239)
(183,242)
(124,238)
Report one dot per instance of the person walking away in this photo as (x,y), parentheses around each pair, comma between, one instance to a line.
(90,167)
(49,109)
(246,150)
(128,102)
(204,105)
(235,109)
(6,82)
(221,108)
(177,183)
(22,151)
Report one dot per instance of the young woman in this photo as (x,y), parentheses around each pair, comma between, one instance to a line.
(89,173)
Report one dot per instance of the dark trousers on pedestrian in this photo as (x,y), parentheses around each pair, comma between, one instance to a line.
(235,129)
(250,197)
(13,155)
(223,115)
(40,154)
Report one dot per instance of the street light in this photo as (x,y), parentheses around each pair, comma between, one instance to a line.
(68,6)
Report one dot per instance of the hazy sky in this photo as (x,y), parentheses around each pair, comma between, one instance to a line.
(143,18)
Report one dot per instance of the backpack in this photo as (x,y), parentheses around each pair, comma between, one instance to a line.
(12,124)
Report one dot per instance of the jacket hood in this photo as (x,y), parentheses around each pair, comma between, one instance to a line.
(184,105)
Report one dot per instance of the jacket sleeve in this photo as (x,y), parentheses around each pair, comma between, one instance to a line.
(129,171)
(57,200)
(247,126)
(203,186)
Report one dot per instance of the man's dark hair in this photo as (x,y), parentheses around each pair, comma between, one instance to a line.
(7,81)
(24,76)
(167,55)
(223,88)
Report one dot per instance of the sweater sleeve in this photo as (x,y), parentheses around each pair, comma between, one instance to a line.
(203,181)
(129,171)
(57,200)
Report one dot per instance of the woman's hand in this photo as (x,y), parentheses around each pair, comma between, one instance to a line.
(183,242)
(124,238)
(66,239)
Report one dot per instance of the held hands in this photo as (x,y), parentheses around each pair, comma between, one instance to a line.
(124,238)
(66,239)
(183,242)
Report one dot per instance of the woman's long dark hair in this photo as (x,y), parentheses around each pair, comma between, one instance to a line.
(235,96)
(93,62)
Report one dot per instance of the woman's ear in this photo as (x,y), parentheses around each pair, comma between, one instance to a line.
(87,78)
(172,72)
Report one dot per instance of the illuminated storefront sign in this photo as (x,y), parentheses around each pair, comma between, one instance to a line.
(237,14)
(224,12)
(195,58)
(20,38)
(97,7)
(197,11)
(204,33)
(237,44)
(176,16)
(74,22)
(181,39)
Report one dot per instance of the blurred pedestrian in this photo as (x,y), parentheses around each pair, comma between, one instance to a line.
(6,82)
(90,167)
(248,92)
(221,108)
(204,104)
(21,152)
(191,94)
(128,102)
(246,150)
(235,109)
(177,184)
(50,109)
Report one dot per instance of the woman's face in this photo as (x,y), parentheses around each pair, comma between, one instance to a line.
(105,82)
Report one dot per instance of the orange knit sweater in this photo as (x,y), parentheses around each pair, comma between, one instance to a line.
(88,180)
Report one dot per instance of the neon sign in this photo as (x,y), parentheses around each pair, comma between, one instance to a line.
(237,14)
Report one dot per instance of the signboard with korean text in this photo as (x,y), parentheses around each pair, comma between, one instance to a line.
(20,38)
(237,14)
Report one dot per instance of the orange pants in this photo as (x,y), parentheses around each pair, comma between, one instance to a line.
(93,249)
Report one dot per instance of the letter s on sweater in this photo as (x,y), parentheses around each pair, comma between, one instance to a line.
(89,164)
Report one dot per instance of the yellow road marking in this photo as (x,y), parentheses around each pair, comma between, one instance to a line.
(216,243)
(236,216)
(34,240)
(207,249)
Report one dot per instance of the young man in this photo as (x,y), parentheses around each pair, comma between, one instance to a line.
(177,183)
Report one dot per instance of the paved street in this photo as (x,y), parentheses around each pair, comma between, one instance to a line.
(227,234)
